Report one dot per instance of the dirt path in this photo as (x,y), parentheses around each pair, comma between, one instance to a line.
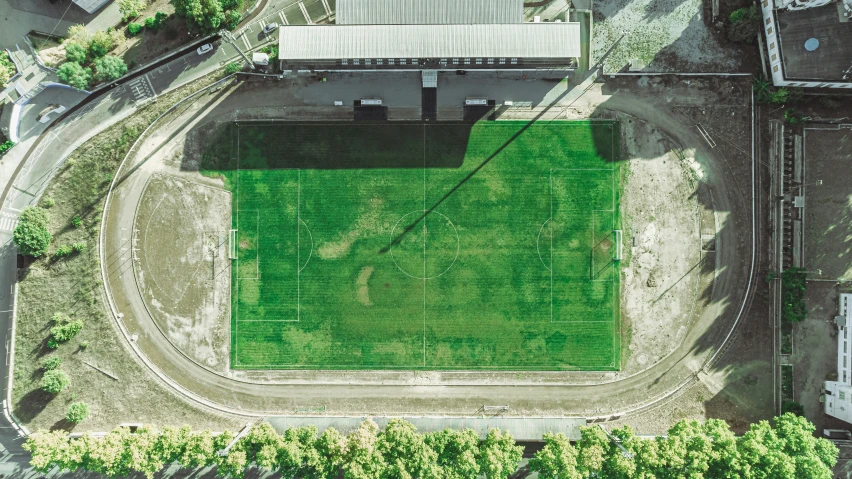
(584,394)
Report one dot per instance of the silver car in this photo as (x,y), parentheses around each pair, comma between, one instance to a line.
(270,28)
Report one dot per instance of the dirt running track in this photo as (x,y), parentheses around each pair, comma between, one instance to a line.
(384,393)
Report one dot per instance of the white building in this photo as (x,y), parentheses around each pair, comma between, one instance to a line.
(838,394)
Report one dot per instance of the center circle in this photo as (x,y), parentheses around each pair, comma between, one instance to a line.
(424,244)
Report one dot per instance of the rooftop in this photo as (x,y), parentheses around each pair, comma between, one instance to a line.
(832,58)
(411,12)
(519,40)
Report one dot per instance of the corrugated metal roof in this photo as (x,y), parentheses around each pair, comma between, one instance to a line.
(521,40)
(412,12)
(91,6)
(523,429)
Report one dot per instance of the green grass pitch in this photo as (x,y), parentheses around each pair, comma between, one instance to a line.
(423,246)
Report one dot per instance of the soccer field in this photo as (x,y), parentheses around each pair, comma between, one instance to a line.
(423,246)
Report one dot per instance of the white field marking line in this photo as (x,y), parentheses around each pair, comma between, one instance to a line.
(236,319)
(326,6)
(305,13)
(283,18)
(550,220)
(311,253)
(245,40)
(538,243)
(424,244)
(298,244)
(420,212)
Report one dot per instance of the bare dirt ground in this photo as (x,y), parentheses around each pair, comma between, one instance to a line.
(660,277)
(828,203)
(186,294)
(664,35)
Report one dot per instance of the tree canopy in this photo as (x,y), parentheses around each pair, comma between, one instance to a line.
(208,16)
(109,68)
(31,235)
(73,74)
(785,449)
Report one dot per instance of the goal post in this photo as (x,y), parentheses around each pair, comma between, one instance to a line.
(232,244)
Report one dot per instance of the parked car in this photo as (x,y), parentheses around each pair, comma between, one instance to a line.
(270,28)
(206,48)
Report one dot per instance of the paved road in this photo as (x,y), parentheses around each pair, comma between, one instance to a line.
(64,138)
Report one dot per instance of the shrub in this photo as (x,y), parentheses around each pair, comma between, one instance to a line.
(74,52)
(31,234)
(84,345)
(64,328)
(793,407)
(745,23)
(6,146)
(80,35)
(793,289)
(51,363)
(792,116)
(63,251)
(47,202)
(233,67)
(134,28)
(232,18)
(79,246)
(73,74)
(76,222)
(101,43)
(77,412)
(150,23)
(130,9)
(54,381)
(109,68)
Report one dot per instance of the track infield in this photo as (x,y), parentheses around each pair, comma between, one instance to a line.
(423,246)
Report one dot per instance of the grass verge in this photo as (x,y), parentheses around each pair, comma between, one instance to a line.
(103,374)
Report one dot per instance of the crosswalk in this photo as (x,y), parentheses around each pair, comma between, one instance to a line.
(8,221)
(141,89)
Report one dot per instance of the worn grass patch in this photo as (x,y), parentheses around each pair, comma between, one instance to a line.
(427,246)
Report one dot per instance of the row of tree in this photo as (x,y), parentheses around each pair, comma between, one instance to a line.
(785,449)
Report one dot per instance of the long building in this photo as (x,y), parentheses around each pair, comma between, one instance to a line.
(838,394)
(429,35)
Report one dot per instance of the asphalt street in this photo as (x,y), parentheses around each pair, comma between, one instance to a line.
(62,139)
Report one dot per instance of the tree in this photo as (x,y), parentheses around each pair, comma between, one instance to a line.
(130,9)
(793,407)
(457,452)
(75,75)
(134,28)
(77,412)
(109,68)
(46,449)
(499,455)
(74,52)
(54,381)
(362,459)
(31,235)
(787,449)
(557,459)
(209,15)
(80,35)
(406,453)
(100,43)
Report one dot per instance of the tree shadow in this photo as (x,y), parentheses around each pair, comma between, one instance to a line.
(32,404)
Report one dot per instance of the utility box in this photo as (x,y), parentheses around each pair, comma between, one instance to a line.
(371,102)
(476,101)
(260,59)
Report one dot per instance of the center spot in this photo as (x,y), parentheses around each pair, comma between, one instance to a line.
(424,245)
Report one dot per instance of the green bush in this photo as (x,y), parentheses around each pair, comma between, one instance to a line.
(101,43)
(47,202)
(63,251)
(154,23)
(792,116)
(793,283)
(793,407)
(745,24)
(74,52)
(73,74)
(130,9)
(79,246)
(109,68)
(64,328)
(31,235)
(6,146)
(54,381)
(133,29)
(77,412)
(233,67)
(51,363)
(76,222)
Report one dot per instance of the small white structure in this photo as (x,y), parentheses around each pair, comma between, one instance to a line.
(260,59)
(838,394)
